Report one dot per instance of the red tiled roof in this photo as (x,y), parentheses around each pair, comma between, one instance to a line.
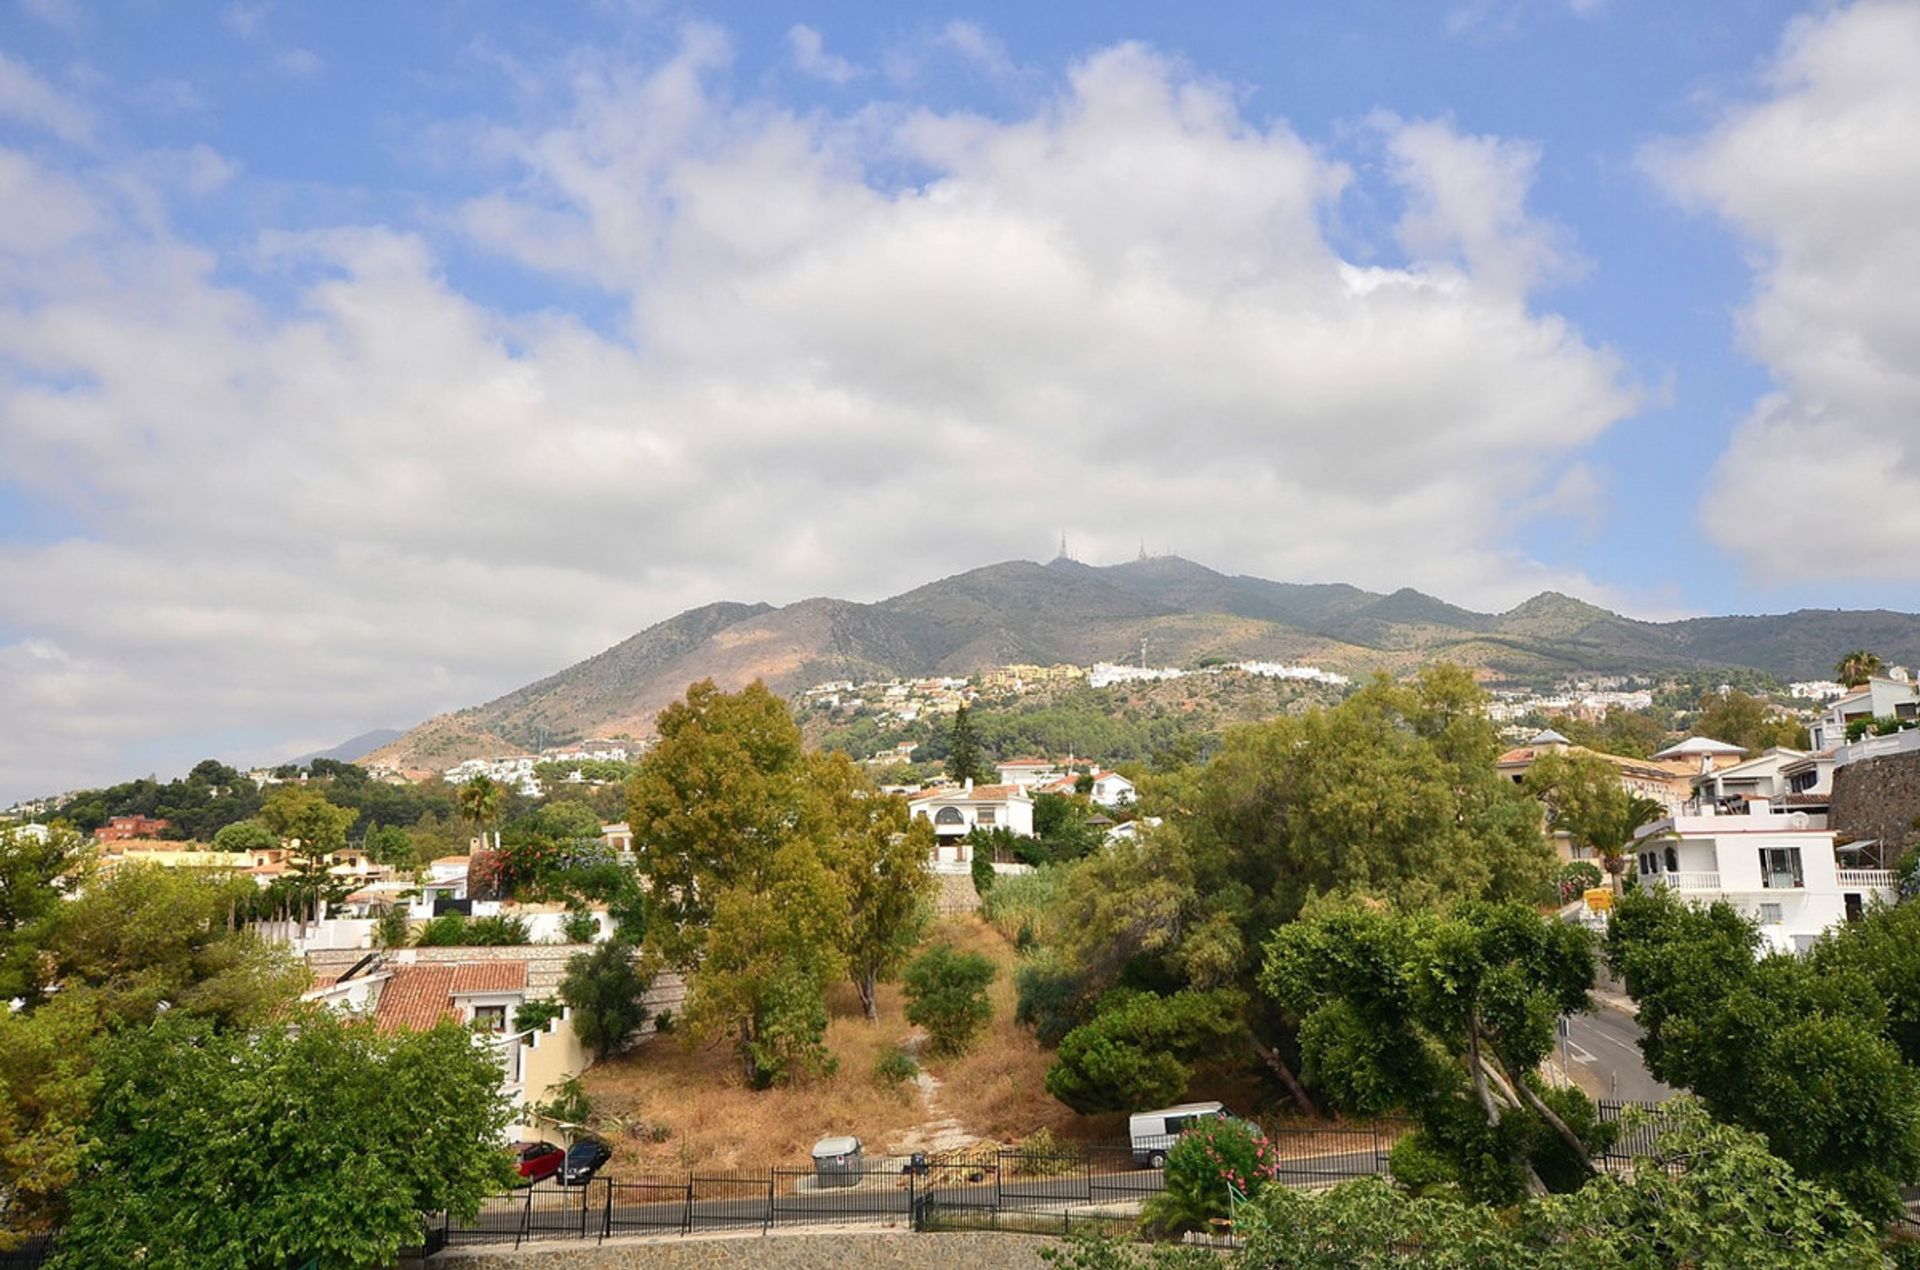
(415,998)
(489,976)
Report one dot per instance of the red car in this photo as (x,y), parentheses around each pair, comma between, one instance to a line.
(538,1160)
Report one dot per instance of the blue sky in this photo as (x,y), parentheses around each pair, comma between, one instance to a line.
(360,361)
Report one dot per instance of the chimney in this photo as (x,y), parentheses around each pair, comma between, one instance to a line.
(969,788)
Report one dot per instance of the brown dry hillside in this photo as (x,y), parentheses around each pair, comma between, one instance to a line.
(1070,612)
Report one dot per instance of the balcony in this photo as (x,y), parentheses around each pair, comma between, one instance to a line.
(1881,878)
(1685,880)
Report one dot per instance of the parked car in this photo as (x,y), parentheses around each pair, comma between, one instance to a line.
(538,1160)
(1153,1133)
(583,1161)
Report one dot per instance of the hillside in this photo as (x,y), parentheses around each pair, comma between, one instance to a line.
(1182,612)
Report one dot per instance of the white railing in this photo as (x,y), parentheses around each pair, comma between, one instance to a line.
(1877,747)
(1688,880)
(1866,877)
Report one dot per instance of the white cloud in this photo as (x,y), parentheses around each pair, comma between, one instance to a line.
(29,99)
(810,56)
(1467,203)
(64,15)
(1119,315)
(298,63)
(977,45)
(1822,178)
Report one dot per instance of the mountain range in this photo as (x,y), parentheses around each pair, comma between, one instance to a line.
(1169,610)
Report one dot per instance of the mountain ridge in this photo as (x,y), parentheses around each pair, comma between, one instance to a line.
(1176,610)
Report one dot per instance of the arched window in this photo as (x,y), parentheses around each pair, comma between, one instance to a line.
(949,816)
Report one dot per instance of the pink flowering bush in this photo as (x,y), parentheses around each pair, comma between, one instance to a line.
(1211,1156)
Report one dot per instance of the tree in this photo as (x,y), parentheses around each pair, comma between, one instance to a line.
(947,995)
(36,870)
(1747,721)
(313,1138)
(1794,1049)
(737,847)
(880,854)
(964,762)
(1857,667)
(390,844)
(245,835)
(1136,1052)
(480,800)
(1060,823)
(143,938)
(314,828)
(1446,1018)
(48,1084)
(1392,795)
(605,990)
(1586,800)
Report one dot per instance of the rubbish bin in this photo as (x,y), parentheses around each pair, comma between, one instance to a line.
(836,1161)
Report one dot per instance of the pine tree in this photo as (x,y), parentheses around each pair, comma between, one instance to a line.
(963,749)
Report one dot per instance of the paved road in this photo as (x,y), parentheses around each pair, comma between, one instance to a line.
(1603,1049)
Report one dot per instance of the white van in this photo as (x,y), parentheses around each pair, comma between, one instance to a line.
(1152,1133)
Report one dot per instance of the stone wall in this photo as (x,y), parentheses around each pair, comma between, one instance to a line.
(1878,799)
(844,1250)
(955,894)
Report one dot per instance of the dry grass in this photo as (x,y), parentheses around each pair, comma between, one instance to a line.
(995,1092)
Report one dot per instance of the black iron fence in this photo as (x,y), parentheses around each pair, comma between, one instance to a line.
(1632,1140)
(994,1188)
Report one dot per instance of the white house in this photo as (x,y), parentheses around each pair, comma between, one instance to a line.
(955,813)
(1027,772)
(1880,698)
(1109,789)
(1780,868)
(1762,776)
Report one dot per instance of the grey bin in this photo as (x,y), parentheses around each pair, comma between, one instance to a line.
(836,1161)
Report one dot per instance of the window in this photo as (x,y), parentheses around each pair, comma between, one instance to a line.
(949,816)
(490,1018)
(1673,860)
(1770,914)
(987,816)
(1780,868)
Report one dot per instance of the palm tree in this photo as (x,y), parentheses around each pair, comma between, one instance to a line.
(480,803)
(1857,667)
(1609,838)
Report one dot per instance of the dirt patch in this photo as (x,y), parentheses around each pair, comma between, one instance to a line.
(696,1100)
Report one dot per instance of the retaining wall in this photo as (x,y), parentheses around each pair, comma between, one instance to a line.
(1879,799)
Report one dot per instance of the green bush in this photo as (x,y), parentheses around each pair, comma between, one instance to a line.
(496,932)
(1417,1166)
(896,1067)
(983,875)
(947,995)
(449,930)
(580,927)
(1211,1157)
(1046,998)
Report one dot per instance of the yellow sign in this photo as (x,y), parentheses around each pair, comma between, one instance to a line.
(1600,899)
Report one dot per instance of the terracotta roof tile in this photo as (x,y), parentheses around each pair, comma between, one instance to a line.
(489,976)
(415,998)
